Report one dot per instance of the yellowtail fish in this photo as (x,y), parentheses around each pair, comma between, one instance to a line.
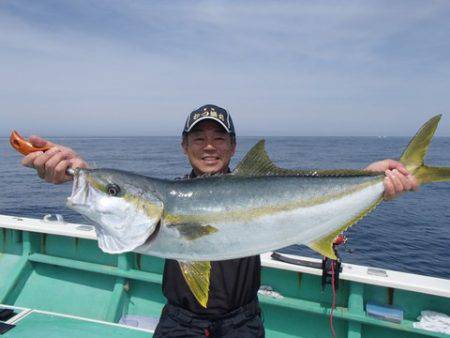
(257,208)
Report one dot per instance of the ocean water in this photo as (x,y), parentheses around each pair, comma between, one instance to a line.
(411,233)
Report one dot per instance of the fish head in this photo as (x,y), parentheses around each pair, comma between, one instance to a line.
(123,208)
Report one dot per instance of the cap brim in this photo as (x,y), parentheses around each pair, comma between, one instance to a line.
(208,118)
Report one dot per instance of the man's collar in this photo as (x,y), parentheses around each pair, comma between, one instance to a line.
(193,175)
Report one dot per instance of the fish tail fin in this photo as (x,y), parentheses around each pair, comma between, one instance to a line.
(413,156)
(413,159)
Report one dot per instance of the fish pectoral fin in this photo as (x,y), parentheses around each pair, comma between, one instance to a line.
(324,245)
(257,163)
(192,231)
(196,275)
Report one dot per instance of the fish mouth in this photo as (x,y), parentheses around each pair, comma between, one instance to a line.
(80,192)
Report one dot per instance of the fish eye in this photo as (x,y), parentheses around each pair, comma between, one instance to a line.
(113,189)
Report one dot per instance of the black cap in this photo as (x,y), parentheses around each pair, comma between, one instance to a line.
(209,112)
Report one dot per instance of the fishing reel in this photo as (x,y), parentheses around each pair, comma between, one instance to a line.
(332,267)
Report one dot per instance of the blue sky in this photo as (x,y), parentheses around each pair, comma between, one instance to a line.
(73,68)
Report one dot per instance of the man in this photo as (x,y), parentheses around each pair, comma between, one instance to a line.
(209,143)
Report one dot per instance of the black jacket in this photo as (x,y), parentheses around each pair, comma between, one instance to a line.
(233,283)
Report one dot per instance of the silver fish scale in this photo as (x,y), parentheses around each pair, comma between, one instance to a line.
(229,192)
(243,210)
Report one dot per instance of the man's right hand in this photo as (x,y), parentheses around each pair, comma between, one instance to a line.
(51,165)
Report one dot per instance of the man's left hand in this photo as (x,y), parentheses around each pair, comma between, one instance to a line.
(398,179)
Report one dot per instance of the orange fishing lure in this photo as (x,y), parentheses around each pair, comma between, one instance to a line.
(23,146)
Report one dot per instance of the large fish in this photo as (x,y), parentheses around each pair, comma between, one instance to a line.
(256,208)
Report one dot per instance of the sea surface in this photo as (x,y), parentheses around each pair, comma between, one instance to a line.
(411,233)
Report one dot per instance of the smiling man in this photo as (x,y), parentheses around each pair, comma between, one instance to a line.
(233,311)
(209,142)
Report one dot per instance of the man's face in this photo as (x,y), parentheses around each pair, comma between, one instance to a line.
(209,148)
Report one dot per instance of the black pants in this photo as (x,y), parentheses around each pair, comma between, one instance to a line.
(244,322)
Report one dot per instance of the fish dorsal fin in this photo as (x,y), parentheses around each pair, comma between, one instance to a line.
(196,275)
(258,163)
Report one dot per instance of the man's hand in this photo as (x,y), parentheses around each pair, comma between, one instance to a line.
(52,164)
(398,179)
